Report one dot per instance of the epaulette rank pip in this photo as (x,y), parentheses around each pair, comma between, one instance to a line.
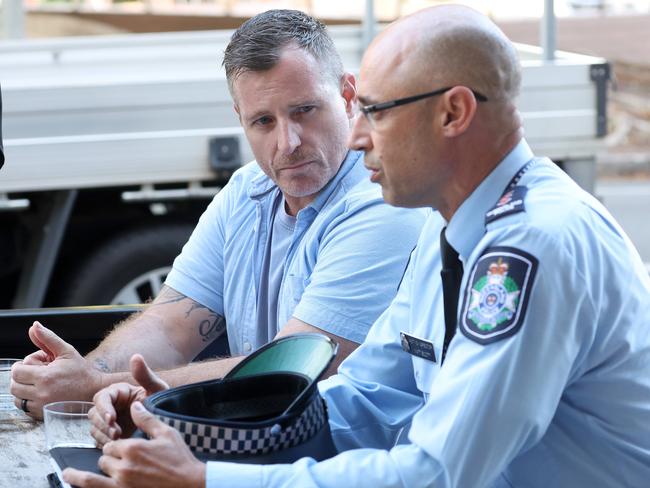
(510,203)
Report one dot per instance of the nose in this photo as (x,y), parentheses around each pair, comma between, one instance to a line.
(288,137)
(360,136)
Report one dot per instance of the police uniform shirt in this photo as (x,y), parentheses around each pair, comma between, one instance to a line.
(546,382)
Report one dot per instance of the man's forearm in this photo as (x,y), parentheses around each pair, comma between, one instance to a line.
(168,334)
(112,356)
(141,333)
(202,371)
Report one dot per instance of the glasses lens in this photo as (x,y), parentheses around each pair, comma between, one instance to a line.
(306,354)
(358,112)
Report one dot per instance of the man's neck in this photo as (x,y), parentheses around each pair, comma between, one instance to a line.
(470,175)
(293,205)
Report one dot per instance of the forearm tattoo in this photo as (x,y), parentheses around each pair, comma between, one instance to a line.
(212,327)
(166,296)
(195,306)
(102,365)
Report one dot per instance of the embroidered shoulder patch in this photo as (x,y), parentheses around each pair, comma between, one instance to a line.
(511,202)
(497,294)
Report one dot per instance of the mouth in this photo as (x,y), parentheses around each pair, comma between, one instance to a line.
(375,173)
(295,165)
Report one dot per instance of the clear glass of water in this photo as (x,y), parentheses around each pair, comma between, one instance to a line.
(67,424)
(6,398)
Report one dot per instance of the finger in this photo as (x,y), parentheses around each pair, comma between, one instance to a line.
(115,449)
(145,376)
(97,419)
(29,380)
(31,394)
(146,422)
(110,464)
(22,390)
(104,401)
(113,402)
(32,408)
(100,425)
(38,358)
(85,479)
(48,341)
(25,373)
(23,387)
(101,437)
(105,428)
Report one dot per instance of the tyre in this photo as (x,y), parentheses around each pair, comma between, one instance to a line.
(130,268)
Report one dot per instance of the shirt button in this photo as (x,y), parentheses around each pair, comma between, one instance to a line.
(247,347)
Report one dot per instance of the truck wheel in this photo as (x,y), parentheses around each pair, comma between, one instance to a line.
(128,269)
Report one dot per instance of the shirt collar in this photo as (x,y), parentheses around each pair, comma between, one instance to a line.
(262,184)
(467,225)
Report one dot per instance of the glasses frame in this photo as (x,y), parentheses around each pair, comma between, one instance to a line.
(368,110)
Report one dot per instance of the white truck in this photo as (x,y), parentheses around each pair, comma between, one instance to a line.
(114,146)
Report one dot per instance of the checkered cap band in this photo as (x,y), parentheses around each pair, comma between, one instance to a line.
(210,439)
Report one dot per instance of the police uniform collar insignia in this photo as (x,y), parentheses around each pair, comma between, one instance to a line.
(511,202)
(497,294)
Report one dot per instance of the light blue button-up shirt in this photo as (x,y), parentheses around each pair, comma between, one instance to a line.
(564,402)
(347,255)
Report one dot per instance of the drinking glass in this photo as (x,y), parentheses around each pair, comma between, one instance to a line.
(6,398)
(67,424)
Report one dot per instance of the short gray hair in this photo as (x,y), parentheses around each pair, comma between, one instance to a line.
(258,44)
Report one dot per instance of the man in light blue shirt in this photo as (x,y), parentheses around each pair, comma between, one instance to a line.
(530,365)
(289,245)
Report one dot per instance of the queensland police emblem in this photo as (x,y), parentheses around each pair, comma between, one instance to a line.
(497,294)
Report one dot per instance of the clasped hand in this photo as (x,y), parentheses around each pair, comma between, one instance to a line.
(163,460)
(53,373)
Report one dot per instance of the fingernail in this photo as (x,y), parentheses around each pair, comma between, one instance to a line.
(138,406)
(111,433)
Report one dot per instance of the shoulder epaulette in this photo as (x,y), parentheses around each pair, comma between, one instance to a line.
(511,202)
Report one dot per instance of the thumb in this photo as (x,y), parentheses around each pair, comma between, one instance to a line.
(33,336)
(49,342)
(144,376)
(146,422)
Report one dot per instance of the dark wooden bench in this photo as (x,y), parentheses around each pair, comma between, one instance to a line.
(83,327)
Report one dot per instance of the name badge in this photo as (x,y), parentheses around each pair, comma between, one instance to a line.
(418,347)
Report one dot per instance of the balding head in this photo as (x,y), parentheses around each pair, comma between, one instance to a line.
(452,45)
(435,149)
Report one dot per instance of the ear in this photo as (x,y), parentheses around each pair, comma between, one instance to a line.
(458,111)
(349,93)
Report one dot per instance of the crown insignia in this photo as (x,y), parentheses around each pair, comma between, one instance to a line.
(497,271)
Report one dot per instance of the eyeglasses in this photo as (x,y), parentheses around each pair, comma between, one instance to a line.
(369,110)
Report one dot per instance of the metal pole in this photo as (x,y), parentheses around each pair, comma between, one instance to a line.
(13,19)
(368,23)
(548,31)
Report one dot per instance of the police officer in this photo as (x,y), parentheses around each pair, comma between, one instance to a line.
(530,365)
